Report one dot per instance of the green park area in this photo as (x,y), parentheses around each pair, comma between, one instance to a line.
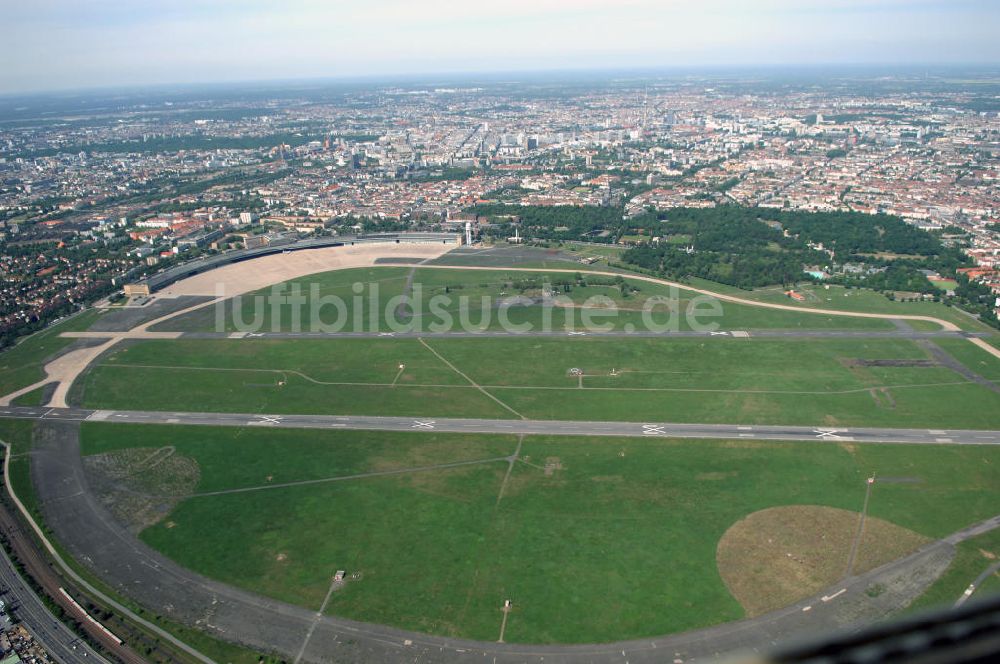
(811,381)
(365,299)
(593,539)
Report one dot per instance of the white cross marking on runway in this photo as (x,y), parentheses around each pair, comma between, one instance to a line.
(653,429)
(265,419)
(826,433)
(423,424)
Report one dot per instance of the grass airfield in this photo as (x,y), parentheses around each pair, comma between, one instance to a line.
(594,540)
(369,310)
(829,382)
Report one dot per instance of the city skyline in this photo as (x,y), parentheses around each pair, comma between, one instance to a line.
(57,45)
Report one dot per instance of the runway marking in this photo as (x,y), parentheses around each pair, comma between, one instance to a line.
(827,598)
(268,419)
(530,427)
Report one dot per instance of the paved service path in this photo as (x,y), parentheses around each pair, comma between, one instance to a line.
(516,426)
(92,536)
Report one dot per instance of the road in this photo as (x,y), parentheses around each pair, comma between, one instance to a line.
(517,427)
(55,637)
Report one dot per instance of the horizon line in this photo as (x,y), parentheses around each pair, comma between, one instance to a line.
(387,78)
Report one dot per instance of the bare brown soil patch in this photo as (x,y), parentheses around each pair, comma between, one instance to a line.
(893,363)
(552,464)
(141,485)
(777,556)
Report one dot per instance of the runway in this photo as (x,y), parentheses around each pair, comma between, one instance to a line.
(494,334)
(518,427)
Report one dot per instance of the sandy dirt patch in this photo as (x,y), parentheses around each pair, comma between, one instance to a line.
(777,556)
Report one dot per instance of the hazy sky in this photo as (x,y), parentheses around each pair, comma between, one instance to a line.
(51,44)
